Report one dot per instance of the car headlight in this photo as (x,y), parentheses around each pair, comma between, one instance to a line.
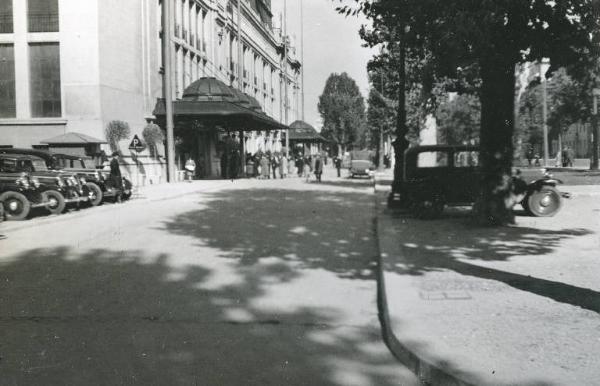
(23,181)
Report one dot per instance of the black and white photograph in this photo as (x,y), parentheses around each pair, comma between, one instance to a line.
(299,192)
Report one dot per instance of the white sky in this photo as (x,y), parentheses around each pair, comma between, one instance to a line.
(331,44)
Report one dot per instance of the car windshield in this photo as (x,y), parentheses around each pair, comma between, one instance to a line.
(39,165)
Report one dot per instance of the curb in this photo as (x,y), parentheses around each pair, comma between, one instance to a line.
(427,373)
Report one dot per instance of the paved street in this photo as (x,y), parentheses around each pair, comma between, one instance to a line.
(249,282)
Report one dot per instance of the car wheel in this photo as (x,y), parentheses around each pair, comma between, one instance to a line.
(428,208)
(16,206)
(544,202)
(56,201)
(95,194)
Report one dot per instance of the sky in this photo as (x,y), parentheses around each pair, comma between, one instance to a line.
(331,44)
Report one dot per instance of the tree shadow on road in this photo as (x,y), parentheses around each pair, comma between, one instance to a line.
(451,244)
(103,317)
(318,228)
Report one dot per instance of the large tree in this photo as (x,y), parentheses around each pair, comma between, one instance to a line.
(342,109)
(495,35)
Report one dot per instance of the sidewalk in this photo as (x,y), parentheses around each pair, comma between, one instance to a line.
(494,306)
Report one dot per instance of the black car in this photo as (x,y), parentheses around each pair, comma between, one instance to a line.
(19,193)
(58,190)
(97,181)
(440,175)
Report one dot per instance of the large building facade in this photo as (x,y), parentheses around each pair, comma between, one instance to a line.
(73,66)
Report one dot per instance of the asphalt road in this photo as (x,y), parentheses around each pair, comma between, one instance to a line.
(258,283)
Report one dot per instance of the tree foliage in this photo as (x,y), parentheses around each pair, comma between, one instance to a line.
(493,35)
(458,118)
(342,109)
(153,135)
(116,131)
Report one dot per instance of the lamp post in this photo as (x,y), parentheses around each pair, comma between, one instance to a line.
(167,87)
(595,131)
(544,112)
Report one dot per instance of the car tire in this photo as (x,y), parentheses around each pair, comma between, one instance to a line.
(545,202)
(96,194)
(56,204)
(16,206)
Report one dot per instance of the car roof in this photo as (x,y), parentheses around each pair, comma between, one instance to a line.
(32,152)
(20,157)
(69,156)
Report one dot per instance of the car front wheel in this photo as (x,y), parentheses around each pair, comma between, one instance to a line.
(55,202)
(95,194)
(544,202)
(16,206)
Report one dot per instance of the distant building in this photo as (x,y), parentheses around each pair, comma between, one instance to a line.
(72,66)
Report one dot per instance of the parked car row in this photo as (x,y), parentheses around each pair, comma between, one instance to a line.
(31,178)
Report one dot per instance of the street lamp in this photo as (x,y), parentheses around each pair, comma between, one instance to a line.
(595,131)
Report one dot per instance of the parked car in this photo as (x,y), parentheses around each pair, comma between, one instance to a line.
(58,190)
(19,193)
(439,175)
(97,181)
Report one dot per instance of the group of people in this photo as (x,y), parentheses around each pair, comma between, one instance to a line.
(267,166)
(566,157)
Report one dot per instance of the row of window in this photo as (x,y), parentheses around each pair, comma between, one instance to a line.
(42,16)
(44,80)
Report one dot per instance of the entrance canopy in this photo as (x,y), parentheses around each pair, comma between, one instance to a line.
(208,102)
(302,132)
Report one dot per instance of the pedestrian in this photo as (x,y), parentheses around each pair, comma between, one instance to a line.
(300,165)
(274,166)
(291,167)
(318,168)
(190,169)
(536,159)
(529,156)
(306,171)
(224,164)
(338,165)
(264,167)
(115,175)
(283,167)
(571,157)
(234,164)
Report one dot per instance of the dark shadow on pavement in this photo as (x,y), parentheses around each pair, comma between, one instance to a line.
(449,244)
(106,317)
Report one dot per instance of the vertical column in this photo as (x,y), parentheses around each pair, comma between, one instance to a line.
(21,52)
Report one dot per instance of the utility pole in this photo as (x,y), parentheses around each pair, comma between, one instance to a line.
(595,131)
(302,54)
(380,166)
(167,88)
(285,80)
(544,113)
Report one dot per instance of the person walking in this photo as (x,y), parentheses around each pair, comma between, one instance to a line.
(234,164)
(274,166)
(338,165)
(306,171)
(318,168)
(300,165)
(291,167)
(264,167)
(115,175)
(283,167)
(190,169)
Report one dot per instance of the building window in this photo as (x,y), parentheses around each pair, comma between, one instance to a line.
(44,72)
(6,17)
(7,81)
(42,15)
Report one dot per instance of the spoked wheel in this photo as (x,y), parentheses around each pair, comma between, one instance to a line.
(16,206)
(95,194)
(55,201)
(544,202)
(427,208)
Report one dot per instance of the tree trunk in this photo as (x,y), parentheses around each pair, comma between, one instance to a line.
(380,151)
(495,201)
(400,143)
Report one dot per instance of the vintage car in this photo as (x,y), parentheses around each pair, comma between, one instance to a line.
(439,175)
(97,181)
(59,190)
(361,163)
(19,193)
